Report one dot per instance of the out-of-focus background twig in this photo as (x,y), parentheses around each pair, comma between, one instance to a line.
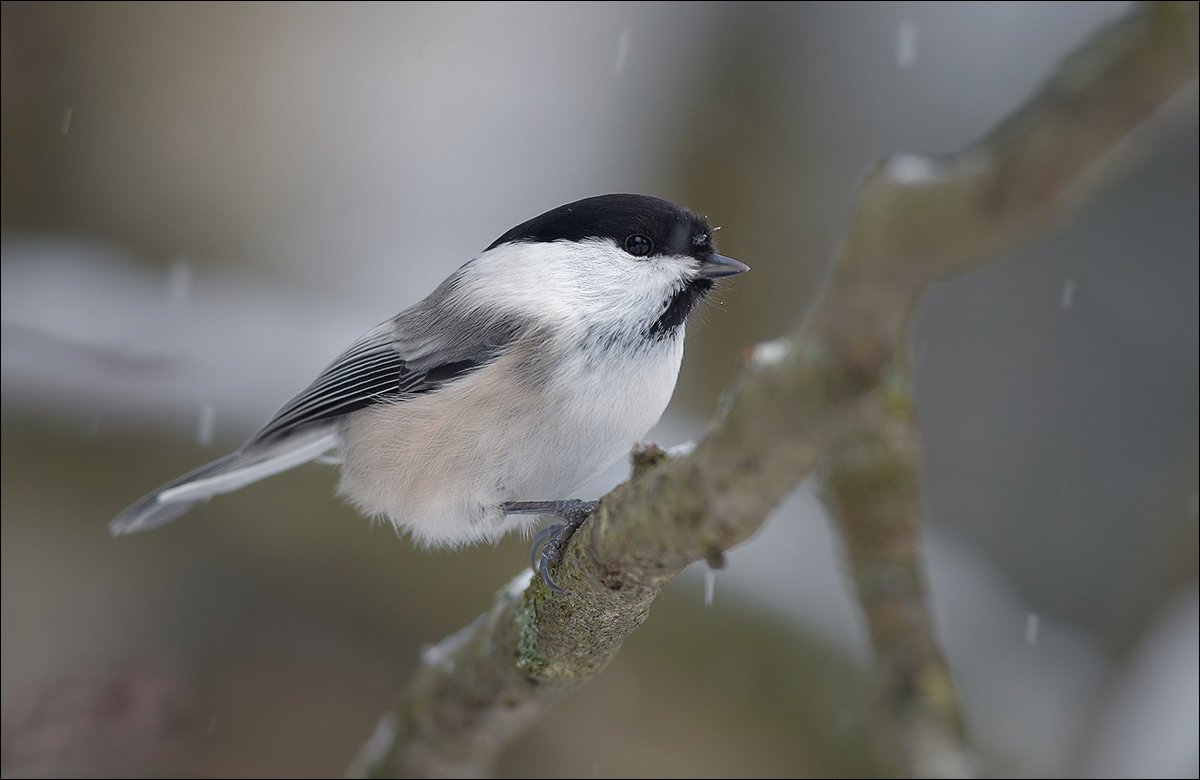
(202,204)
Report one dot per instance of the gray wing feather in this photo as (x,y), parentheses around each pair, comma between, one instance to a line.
(428,345)
(415,352)
(368,372)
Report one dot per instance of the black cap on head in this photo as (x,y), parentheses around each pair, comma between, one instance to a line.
(671,229)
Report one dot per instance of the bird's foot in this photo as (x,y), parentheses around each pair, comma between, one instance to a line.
(553,538)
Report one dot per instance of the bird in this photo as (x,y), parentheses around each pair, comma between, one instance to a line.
(531,368)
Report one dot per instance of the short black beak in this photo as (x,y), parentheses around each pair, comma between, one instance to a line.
(716,266)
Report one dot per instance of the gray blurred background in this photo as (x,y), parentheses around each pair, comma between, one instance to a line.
(204,203)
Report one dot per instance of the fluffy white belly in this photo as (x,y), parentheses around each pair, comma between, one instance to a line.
(438,465)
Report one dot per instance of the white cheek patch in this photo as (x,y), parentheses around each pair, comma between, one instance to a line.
(569,282)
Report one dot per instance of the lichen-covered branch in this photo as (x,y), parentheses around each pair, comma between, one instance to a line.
(835,394)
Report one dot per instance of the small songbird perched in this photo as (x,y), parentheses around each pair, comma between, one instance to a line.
(530,369)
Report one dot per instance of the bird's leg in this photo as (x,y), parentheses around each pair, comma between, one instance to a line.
(553,538)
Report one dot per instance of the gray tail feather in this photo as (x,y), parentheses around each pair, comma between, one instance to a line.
(149,512)
(237,469)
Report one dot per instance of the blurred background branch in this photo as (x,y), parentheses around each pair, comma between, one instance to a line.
(837,394)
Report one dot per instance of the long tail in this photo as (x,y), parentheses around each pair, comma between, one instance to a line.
(233,471)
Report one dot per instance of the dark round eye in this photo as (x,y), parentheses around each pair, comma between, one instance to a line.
(638,245)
